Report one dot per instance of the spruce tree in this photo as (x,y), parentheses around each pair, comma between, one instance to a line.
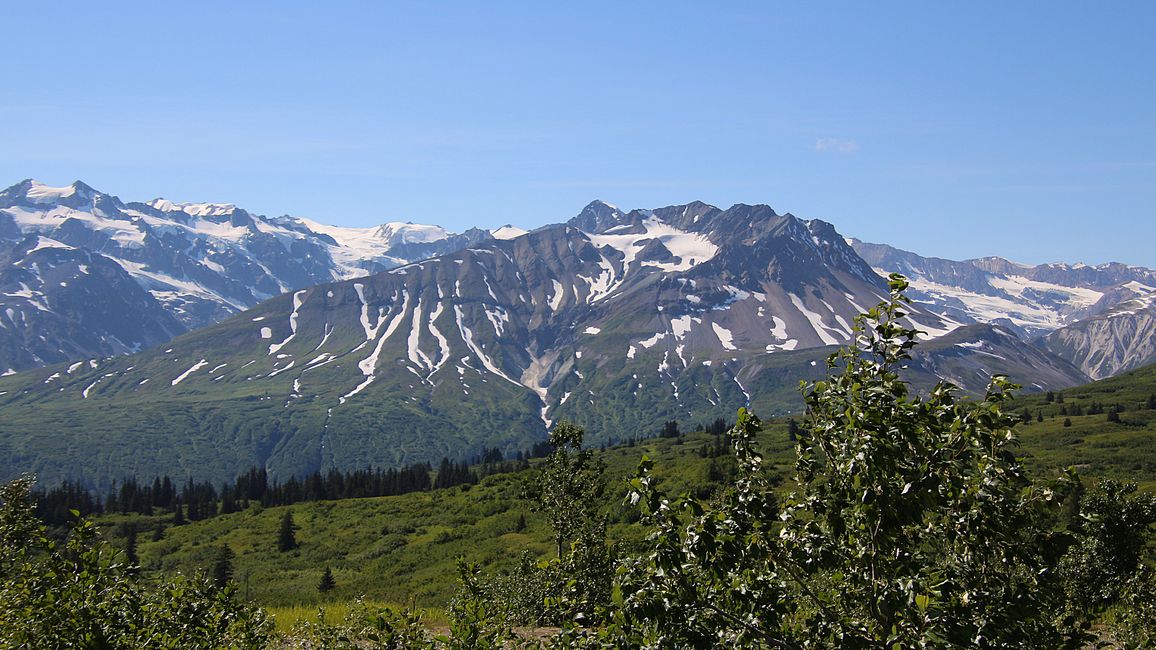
(130,554)
(223,566)
(287,537)
(327,582)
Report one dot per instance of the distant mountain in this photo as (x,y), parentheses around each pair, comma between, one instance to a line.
(1099,318)
(199,262)
(1120,338)
(1033,300)
(61,303)
(615,320)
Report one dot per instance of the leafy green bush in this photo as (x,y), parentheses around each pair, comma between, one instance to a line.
(80,593)
(567,488)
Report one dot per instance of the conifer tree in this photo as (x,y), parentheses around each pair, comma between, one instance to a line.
(223,566)
(130,554)
(287,536)
(327,581)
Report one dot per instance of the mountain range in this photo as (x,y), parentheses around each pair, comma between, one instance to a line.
(616,320)
(83,274)
(1100,318)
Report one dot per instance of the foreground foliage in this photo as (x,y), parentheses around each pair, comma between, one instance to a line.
(912,525)
(80,593)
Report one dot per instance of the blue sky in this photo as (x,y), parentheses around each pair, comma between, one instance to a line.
(1026,130)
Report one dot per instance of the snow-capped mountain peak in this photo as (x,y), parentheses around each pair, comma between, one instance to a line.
(194,209)
(200,262)
(508,232)
(31,192)
(38,192)
(394,233)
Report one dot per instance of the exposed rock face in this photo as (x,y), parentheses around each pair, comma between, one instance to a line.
(1119,339)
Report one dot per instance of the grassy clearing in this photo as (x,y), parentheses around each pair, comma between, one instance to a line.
(286,617)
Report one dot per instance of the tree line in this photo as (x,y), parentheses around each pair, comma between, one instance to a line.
(198,500)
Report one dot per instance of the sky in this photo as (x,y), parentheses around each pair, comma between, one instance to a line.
(1025,130)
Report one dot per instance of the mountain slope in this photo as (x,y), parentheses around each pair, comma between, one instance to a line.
(616,320)
(1030,300)
(61,303)
(1119,339)
(199,262)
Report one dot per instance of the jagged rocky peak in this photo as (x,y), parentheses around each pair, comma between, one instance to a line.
(694,216)
(32,193)
(507,231)
(598,216)
(743,241)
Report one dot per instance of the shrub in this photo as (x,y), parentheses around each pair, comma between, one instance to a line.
(79,593)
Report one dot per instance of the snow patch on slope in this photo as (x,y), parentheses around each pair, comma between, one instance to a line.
(724,336)
(297,302)
(821,328)
(196,366)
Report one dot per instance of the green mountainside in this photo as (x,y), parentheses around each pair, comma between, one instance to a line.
(403,549)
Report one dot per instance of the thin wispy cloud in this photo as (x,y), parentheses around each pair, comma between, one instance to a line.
(836,145)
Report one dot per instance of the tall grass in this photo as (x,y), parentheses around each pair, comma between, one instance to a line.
(286,617)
